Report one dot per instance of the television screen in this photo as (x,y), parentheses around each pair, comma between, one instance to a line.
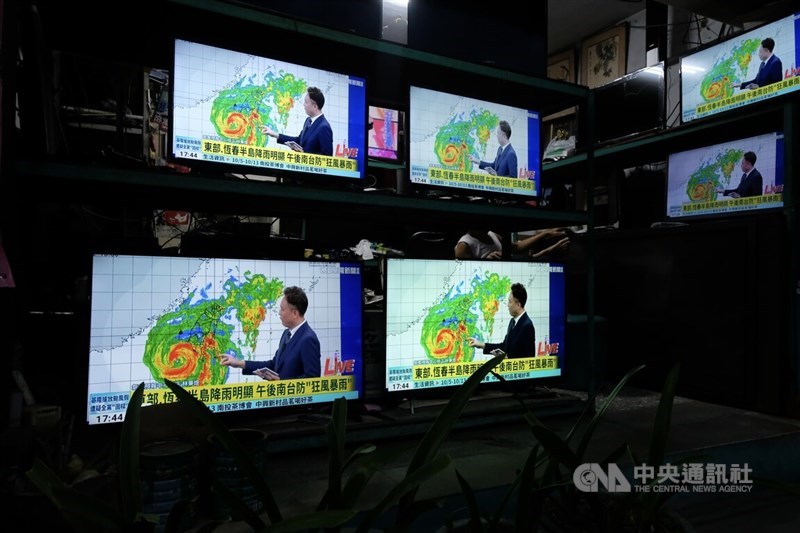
(729,74)
(384,130)
(455,141)
(434,307)
(238,109)
(711,180)
(156,318)
(640,94)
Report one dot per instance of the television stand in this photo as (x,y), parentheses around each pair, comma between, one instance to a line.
(314,418)
(413,405)
(537,392)
(324,415)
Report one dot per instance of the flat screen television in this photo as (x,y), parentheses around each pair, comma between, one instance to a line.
(641,94)
(446,131)
(702,181)
(718,78)
(384,131)
(222,99)
(156,318)
(433,308)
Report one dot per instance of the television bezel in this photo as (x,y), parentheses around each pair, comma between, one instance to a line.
(248,415)
(724,214)
(239,171)
(517,384)
(710,45)
(443,191)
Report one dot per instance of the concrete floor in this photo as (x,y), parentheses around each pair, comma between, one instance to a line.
(490,450)
(491,442)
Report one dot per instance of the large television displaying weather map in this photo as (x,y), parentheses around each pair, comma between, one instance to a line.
(225,103)
(155,318)
(711,180)
(434,307)
(454,142)
(724,76)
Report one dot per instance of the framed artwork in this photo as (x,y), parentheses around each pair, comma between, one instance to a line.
(562,66)
(604,56)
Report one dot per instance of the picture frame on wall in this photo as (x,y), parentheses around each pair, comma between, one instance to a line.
(561,66)
(604,56)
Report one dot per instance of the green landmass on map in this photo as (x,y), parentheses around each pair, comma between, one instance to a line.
(185,343)
(704,182)
(462,136)
(718,83)
(239,112)
(451,322)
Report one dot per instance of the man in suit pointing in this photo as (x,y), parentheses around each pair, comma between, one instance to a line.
(298,353)
(316,137)
(520,339)
(505,164)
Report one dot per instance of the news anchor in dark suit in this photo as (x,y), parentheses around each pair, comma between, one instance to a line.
(770,70)
(752,184)
(316,137)
(298,354)
(505,164)
(520,339)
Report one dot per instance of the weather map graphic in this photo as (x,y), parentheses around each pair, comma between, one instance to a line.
(462,136)
(454,127)
(730,69)
(434,307)
(448,132)
(713,79)
(184,343)
(223,100)
(172,318)
(713,174)
(246,93)
(453,320)
(695,176)
(239,112)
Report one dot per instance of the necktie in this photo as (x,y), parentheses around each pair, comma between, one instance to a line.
(306,124)
(511,325)
(282,344)
(499,151)
(760,68)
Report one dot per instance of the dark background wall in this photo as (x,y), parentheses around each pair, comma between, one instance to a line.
(512,38)
(709,295)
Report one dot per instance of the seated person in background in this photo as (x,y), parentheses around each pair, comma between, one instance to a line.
(479,244)
(544,244)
